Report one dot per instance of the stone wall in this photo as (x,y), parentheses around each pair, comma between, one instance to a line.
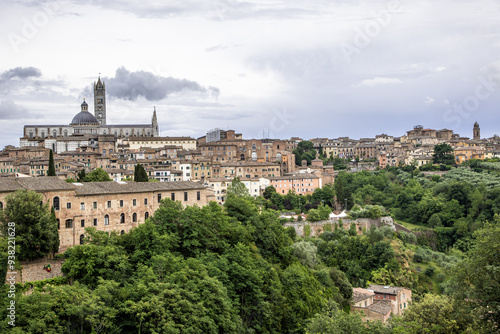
(33,270)
(362,224)
(402,228)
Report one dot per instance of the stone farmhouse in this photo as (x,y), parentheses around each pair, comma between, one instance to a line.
(380,302)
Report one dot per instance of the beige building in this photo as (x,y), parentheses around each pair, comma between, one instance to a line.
(107,206)
(136,143)
(380,302)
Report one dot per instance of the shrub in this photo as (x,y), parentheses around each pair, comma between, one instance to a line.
(429,271)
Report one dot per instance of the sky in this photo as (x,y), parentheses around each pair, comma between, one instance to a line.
(318,68)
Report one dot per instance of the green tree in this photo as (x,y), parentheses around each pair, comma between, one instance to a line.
(268,192)
(80,177)
(477,277)
(140,174)
(433,314)
(303,300)
(36,229)
(97,175)
(306,252)
(443,154)
(333,320)
(52,167)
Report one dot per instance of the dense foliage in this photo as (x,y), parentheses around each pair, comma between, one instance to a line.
(236,269)
(35,230)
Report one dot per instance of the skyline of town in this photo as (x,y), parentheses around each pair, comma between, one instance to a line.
(321,69)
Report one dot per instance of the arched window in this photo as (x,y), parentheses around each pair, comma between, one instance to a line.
(122,232)
(81,239)
(56,203)
(53,147)
(134,217)
(54,133)
(43,134)
(146,215)
(242,156)
(69,223)
(122,218)
(106,220)
(31,134)
(65,133)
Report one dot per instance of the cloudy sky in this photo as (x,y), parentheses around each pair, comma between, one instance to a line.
(324,68)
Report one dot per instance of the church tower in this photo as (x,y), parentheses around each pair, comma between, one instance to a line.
(100,101)
(154,123)
(476,132)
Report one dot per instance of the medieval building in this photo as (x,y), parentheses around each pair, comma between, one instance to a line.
(85,128)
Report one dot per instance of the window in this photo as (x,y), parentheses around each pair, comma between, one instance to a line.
(146,215)
(134,217)
(172,196)
(55,201)
(121,203)
(82,206)
(69,223)
(185,196)
(106,220)
(95,221)
(82,237)
(122,232)
(134,202)
(68,205)
(109,204)
(82,223)
(95,205)
(145,201)
(122,218)
(198,195)
(159,198)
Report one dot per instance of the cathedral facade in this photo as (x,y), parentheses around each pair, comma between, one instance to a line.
(85,128)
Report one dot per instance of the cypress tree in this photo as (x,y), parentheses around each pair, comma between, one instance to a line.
(140,174)
(52,167)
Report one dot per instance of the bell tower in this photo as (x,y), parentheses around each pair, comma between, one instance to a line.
(100,101)
(476,132)
(154,124)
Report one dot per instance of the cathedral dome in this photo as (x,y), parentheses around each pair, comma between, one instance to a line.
(84,118)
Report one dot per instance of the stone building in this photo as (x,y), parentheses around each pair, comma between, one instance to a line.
(380,302)
(301,183)
(85,128)
(107,206)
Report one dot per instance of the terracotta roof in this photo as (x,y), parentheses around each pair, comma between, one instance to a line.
(44,183)
(158,138)
(47,183)
(359,294)
(381,306)
(391,290)
(294,177)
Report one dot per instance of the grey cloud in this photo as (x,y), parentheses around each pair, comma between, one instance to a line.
(9,111)
(21,73)
(133,85)
(213,9)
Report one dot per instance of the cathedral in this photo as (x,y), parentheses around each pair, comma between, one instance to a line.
(85,128)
